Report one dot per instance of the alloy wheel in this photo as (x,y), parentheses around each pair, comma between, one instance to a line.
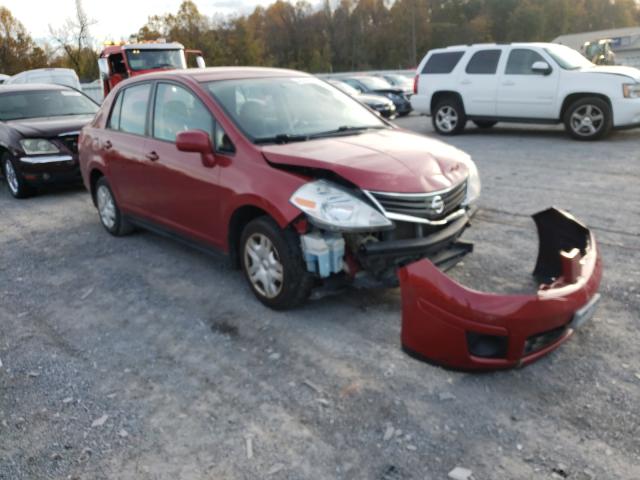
(263,266)
(587,120)
(106,207)
(11,176)
(447,119)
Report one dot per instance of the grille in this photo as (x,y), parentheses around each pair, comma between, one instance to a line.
(70,141)
(430,206)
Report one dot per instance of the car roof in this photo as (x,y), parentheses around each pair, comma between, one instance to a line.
(485,45)
(31,87)
(222,73)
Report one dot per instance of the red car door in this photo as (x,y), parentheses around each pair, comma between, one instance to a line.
(186,196)
(124,148)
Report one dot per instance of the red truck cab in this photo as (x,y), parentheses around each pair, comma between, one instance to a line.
(120,61)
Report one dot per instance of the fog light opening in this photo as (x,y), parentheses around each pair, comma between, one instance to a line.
(487,346)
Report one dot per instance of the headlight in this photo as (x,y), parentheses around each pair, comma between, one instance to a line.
(38,146)
(332,207)
(474,186)
(631,90)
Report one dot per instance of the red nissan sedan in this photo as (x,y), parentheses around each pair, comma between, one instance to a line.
(302,186)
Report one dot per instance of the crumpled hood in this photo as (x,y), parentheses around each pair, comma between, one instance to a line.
(47,127)
(373,99)
(385,160)
(630,72)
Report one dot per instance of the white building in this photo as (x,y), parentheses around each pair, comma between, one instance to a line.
(624,41)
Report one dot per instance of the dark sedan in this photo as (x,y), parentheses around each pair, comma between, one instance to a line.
(379,86)
(382,105)
(39,128)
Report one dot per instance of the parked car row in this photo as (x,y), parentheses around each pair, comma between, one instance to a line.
(303,187)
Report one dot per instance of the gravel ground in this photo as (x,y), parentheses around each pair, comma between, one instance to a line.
(138,358)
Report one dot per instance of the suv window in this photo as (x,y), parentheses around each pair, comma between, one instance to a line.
(133,117)
(442,62)
(521,60)
(176,110)
(484,62)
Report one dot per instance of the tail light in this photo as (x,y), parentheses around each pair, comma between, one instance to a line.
(415,84)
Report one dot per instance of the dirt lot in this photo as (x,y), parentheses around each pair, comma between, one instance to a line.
(138,358)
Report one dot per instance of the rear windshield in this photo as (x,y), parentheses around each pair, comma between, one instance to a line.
(442,62)
(44,103)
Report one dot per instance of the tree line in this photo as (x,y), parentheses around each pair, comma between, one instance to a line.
(331,37)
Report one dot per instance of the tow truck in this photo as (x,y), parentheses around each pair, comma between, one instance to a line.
(119,61)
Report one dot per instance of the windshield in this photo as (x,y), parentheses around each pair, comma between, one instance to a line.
(155,58)
(348,89)
(44,103)
(374,83)
(567,58)
(291,109)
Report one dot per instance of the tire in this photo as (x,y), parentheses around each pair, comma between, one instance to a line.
(588,118)
(484,124)
(110,215)
(17,185)
(262,240)
(449,117)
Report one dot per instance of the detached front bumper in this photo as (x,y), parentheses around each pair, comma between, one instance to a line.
(451,325)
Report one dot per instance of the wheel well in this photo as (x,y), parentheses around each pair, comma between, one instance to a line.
(438,96)
(240,218)
(93,179)
(577,96)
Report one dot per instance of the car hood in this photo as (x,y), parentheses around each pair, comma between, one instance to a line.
(49,126)
(386,160)
(373,99)
(630,72)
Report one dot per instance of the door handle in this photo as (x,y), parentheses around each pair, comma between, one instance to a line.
(465,82)
(509,83)
(153,156)
(107,145)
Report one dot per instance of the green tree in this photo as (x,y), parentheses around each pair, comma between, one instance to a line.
(18,51)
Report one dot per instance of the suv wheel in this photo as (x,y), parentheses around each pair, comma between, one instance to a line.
(449,117)
(18,187)
(273,265)
(110,215)
(588,119)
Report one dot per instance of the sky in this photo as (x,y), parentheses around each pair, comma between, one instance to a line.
(116,19)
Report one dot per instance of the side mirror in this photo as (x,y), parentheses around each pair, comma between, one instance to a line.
(200,62)
(197,141)
(541,67)
(103,67)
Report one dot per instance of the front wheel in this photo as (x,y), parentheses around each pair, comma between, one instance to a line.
(449,117)
(18,187)
(588,119)
(273,265)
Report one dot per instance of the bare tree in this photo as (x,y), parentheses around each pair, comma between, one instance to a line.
(74,38)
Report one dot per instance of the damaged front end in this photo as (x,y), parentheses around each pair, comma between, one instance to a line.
(451,325)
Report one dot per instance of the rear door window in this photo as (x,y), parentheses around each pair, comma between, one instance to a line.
(440,63)
(521,60)
(484,62)
(133,116)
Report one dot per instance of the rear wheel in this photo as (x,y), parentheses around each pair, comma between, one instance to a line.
(18,187)
(449,117)
(485,123)
(273,265)
(110,215)
(589,118)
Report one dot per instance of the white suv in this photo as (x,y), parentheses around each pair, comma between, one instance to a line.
(525,82)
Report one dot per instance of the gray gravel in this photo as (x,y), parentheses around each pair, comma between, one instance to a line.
(138,358)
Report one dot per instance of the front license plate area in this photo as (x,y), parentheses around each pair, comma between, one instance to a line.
(585,314)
